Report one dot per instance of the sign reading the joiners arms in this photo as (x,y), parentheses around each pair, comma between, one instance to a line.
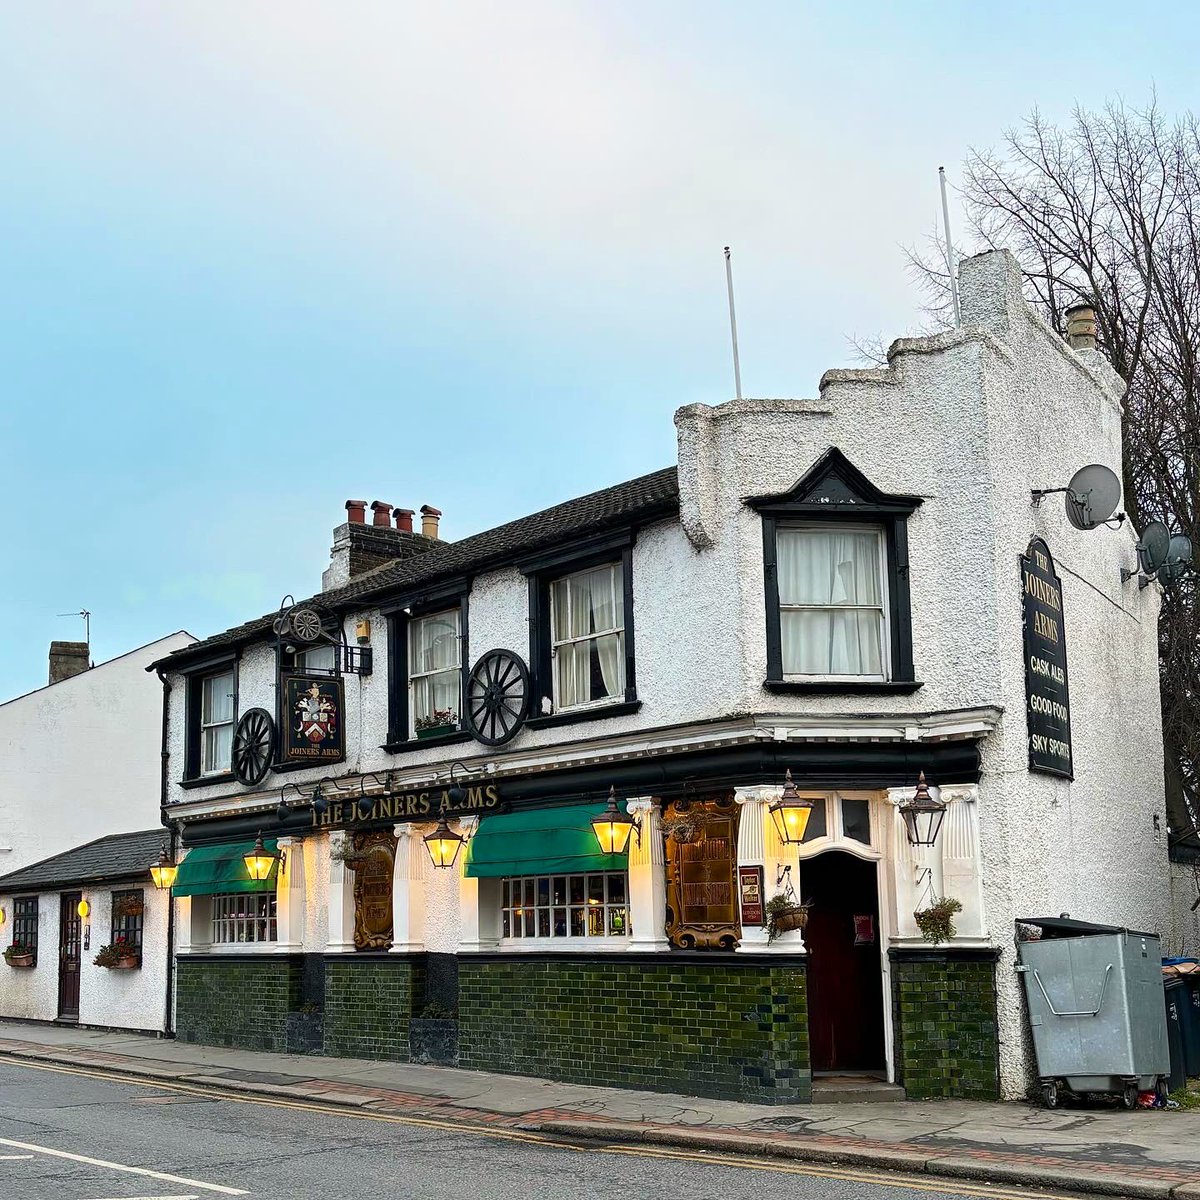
(1047,703)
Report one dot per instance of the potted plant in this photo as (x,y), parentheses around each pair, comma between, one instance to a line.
(785,913)
(683,827)
(443,720)
(130,906)
(120,955)
(19,954)
(936,922)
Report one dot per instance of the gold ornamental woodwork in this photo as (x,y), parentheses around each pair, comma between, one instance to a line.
(374,870)
(702,908)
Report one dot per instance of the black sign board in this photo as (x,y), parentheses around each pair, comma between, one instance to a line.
(1047,702)
(313,719)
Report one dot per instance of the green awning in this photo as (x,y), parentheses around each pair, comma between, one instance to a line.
(209,869)
(540,841)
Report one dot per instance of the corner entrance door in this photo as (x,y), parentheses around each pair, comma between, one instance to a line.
(845,974)
(69,930)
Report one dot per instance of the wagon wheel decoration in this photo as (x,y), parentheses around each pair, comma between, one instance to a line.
(497,697)
(253,746)
(306,624)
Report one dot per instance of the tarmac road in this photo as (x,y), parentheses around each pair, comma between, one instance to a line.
(67,1134)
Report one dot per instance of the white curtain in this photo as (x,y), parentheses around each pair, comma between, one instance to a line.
(435,664)
(590,603)
(831,606)
(217,708)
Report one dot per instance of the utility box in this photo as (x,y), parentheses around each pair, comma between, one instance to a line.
(1095,998)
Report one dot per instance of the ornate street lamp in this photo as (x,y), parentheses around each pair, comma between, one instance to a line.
(259,861)
(923,815)
(612,827)
(164,871)
(443,844)
(791,812)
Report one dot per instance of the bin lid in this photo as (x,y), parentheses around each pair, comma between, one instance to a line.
(1063,927)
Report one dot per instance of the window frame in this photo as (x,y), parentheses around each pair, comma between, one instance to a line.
(601,941)
(217,901)
(195,676)
(835,493)
(556,642)
(413,675)
(130,926)
(26,913)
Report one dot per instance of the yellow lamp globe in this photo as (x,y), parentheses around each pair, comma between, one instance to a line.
(443,845)
(612,827)
(163,872)
(791,812)
(83,908)
(259,861)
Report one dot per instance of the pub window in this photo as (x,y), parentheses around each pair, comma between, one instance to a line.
(128,909)
(25,923)
(587,637)
(241,917)
(435,672)
(320,659)
(559,907)
(216,722)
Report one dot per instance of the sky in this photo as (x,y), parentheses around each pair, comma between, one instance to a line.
(260,258)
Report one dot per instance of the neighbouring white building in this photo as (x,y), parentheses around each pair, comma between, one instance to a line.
(855,589)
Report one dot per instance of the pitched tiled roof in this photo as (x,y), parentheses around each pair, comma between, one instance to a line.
(642,498)
(117,856)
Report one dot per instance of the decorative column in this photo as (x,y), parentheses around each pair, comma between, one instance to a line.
(759,845)
(408,891)
(647,879)
(961,873)
(478,904)
(341,897)
(289,896)
(186,941)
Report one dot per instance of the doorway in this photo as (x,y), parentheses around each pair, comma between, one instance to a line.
(69,931)
(845,975)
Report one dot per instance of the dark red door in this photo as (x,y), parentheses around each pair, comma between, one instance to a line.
(69,949)
(845,976)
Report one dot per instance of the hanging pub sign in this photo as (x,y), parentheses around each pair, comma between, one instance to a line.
(313,719)
(1047,703)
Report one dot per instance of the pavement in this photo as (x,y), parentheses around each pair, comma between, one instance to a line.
(1093,1150)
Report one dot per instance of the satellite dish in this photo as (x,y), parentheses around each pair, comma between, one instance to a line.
(1154,548)
(1092,496)
(1179,558)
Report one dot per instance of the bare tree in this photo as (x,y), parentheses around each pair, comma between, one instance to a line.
(1104,210)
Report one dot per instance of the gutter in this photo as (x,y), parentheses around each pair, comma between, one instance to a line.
(165,758)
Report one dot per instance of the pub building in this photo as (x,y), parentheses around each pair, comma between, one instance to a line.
(729,780)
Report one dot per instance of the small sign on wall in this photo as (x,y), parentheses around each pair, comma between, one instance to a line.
(314,709)
(750,890)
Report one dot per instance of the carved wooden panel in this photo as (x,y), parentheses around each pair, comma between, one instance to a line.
(702,908)
(375,859)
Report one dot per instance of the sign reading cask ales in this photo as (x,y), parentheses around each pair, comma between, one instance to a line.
(1047,703)
(374,867)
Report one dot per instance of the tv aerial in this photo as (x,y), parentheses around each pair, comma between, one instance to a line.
(1091,497)
(1162,555)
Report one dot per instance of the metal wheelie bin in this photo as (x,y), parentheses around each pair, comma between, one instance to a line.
(1095,997)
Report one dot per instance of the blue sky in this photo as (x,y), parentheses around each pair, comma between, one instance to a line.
(260,258)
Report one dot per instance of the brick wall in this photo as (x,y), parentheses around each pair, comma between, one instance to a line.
(706,1025)
(237,1001)
(369,1000)
(944,1004)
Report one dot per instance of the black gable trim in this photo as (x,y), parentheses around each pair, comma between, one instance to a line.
(833,484)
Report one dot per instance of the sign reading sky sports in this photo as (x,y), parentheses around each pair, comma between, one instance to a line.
(1047,701)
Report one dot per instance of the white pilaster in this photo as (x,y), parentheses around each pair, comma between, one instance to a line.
(478,905)
(408,891)
(185,936)
(289,897)
(647,879)
(341,897)
(759,845)
(961,873)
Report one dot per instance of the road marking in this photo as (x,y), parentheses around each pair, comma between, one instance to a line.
(144,1171)
(894,1179)
(11,1157)
(189,1196)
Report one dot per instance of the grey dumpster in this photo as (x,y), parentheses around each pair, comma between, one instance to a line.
(1095,998)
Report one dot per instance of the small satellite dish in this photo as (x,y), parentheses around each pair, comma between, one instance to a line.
(1154,548)
(1179,559)
(1092,496)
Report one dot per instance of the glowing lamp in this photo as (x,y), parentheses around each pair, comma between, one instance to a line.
(923,816)
(83,908)
(791,812)
(612,827)
(164,871)
(259,861)
(443,844)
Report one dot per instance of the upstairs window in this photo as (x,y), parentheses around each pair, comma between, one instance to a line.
(587,636)
(321,660)
(435,672)
(216,722)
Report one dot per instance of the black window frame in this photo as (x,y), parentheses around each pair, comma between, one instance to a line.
(25,922)
(127,925)
(543,570)
(194,677)
(456,594)
(835,491)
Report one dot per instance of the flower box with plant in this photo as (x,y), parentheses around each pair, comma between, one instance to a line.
(120,954)
(443,721)
(20,954)
(936,922)
(785,913)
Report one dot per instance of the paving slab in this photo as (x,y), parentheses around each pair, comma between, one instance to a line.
(1078,1179)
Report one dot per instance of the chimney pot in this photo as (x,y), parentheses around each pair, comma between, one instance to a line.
(1081,327)
(381,513)
(357,512)
(429,520)
(404,518)
(67,659)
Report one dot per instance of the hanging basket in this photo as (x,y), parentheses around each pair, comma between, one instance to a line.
(131,906)
(791,918)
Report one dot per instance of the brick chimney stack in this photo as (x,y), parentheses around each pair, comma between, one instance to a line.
(67,659)
(359,546)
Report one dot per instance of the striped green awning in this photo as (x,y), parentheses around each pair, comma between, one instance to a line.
(210,869)
(540,841)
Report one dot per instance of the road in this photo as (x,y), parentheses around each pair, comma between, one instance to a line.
(69,1134)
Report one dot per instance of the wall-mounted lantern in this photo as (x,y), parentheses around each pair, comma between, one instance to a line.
(791,812)
(443,844)
(259,861)
(163,872)
(923,816)
(83,908)
(612,827)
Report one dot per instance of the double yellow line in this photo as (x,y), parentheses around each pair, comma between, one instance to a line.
(777,1167)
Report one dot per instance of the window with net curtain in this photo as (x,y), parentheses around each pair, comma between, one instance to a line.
(435,668)
(587,633)
(216,723)
(832,601)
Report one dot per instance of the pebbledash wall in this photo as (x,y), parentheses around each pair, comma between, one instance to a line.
(971,421)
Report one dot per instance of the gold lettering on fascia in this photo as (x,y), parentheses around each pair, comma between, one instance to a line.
(407,806)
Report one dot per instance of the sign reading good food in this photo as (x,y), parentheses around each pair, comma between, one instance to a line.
(1047,703)
(313,714)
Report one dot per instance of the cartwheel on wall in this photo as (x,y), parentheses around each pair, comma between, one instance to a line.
(726,1026)
(945,1020)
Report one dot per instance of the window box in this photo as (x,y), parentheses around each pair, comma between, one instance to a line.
(436,731)
(130,963)
(19,960)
